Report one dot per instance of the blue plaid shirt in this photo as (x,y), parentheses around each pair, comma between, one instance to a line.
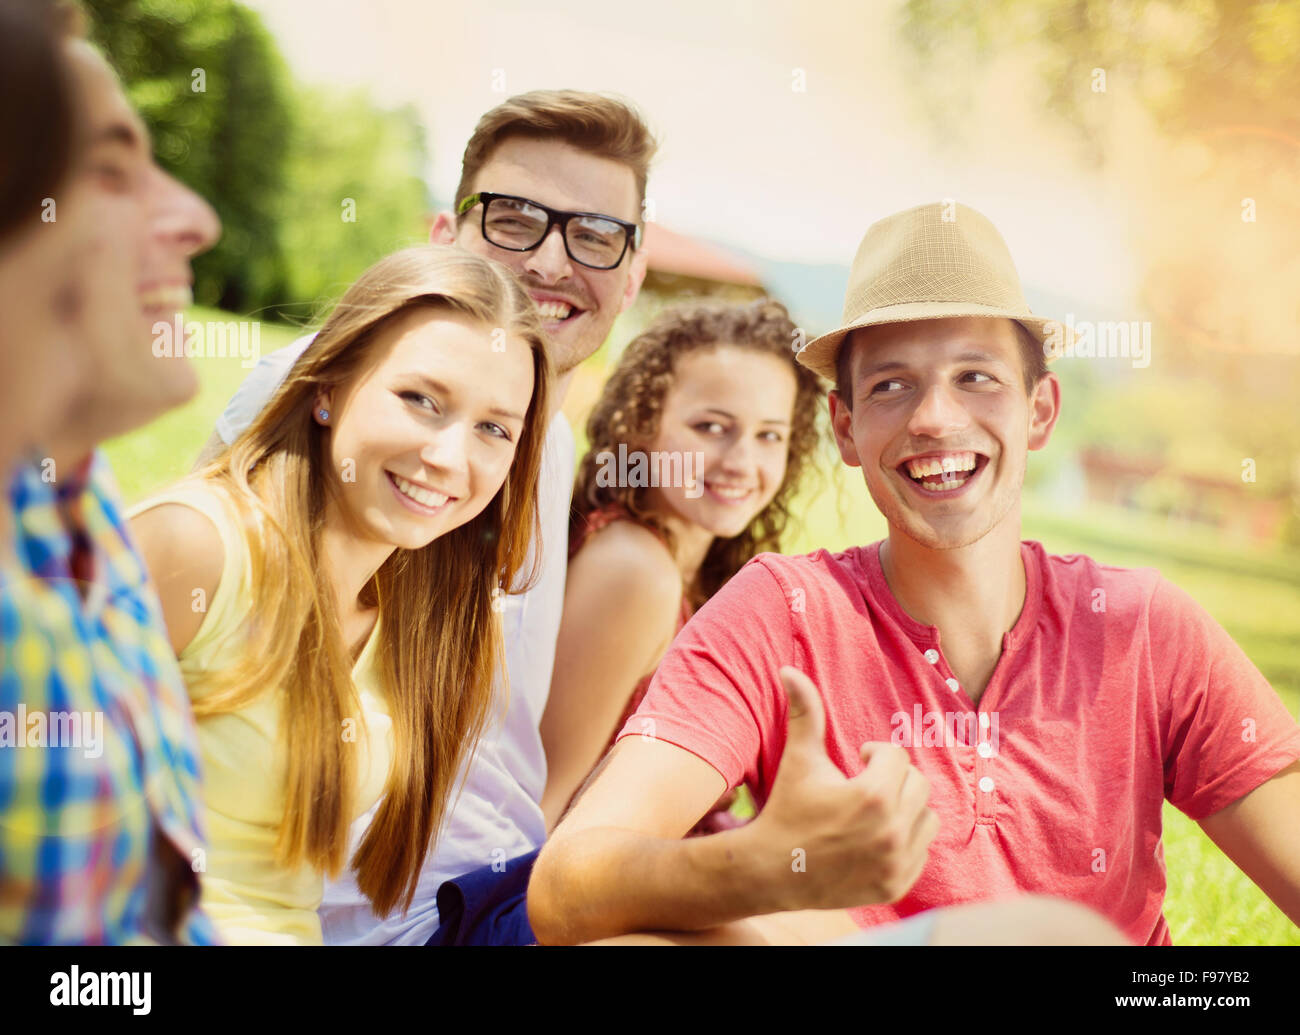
(99,782)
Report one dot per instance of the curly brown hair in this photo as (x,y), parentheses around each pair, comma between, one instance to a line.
(631,406)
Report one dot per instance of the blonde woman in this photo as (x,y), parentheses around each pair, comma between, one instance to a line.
(329,585)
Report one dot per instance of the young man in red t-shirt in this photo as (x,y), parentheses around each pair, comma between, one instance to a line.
(1049,705)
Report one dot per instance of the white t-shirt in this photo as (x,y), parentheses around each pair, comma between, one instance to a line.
(498,814)
(255,392)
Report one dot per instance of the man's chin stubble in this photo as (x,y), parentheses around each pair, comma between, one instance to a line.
(569,359)
(897,516)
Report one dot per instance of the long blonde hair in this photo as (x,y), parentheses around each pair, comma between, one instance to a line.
(439,644)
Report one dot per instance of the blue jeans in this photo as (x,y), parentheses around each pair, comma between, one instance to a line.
(487,906)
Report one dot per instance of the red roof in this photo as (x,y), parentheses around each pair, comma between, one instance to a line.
(675,253)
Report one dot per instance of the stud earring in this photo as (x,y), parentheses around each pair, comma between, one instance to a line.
(324,414)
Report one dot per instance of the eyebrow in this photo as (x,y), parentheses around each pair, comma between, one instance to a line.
(441,388)
(730,416)
(562,211)
(970,356)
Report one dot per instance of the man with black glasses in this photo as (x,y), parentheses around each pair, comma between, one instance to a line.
(520,225)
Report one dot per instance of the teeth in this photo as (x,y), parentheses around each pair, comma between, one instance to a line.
(554,310)
(945,486)
(179,297)
(728,493)
(429,499)
(949,463)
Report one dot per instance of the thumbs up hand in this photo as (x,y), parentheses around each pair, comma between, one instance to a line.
(835,841)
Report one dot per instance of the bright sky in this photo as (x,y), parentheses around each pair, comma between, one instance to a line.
(746,158)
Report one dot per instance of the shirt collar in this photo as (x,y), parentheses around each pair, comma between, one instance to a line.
(72,485)
(879,594)
(52,537)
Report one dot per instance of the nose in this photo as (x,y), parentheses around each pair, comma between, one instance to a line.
(937,413)
(738,460)
(447,453)
(549,261)
(182,217)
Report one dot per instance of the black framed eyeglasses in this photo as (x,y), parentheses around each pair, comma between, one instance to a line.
(520,225)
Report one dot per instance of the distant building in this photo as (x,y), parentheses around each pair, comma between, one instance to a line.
(683,266)
(1147,483)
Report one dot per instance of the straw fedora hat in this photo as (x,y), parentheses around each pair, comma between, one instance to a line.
(933,261)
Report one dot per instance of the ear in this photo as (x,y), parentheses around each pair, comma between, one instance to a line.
(1044,409)
(443,230)
(637,270)
(324,401)
(842,425)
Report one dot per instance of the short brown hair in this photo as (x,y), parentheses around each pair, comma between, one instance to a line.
(605,126)
(1032,361)
(38,121)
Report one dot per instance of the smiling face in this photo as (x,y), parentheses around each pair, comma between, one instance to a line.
(735,406)
(941,426)
(421,440)
(578,304)
(148,227)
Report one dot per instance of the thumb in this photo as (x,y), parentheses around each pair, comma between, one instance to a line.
(806,732)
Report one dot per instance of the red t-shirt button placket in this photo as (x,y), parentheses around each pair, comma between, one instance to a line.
(984,801)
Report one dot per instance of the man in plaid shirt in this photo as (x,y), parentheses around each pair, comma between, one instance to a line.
(92,829)
(100,837)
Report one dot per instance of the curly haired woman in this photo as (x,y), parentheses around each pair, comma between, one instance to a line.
(697,446)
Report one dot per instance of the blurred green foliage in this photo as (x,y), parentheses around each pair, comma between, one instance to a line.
(274,158)
(345,148)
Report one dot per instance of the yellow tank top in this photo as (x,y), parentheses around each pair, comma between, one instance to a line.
(252,899)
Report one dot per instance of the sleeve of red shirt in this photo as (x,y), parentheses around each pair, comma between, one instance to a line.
(717,691)
(1224,729)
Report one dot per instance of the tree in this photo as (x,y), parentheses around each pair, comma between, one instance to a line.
(357,191)
(210,84)
(276,161)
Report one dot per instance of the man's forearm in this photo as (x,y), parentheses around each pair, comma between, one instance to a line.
(603,881)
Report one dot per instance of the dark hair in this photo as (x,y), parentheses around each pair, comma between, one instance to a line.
(630,408)
(37,120)
(1032,361)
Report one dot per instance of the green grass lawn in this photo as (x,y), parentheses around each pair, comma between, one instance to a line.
(1254,593)
(156,455)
